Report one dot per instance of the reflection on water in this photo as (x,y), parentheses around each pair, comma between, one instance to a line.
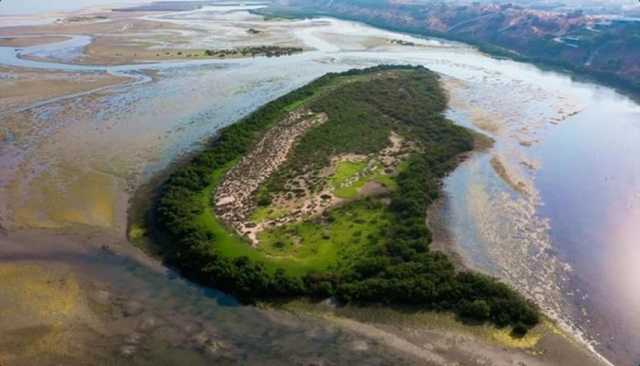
(552,208)
(568,239)
(591,177)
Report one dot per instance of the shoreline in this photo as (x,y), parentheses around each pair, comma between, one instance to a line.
(442,239)
(434,336)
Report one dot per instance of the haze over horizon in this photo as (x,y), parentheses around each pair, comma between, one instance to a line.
(25,7)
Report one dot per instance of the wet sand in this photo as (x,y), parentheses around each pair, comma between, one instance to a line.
(118,38)
(23,88)
(439,339)
(121,38)
(29,41)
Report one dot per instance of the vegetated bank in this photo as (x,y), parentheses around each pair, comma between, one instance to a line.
(344,214)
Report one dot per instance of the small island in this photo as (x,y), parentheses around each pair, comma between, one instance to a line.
(323,193)
(402,42)
(268,51)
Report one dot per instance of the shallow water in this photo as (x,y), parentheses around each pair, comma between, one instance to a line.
(559,222)
(152,316)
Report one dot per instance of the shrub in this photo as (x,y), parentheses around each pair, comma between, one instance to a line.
(476,310)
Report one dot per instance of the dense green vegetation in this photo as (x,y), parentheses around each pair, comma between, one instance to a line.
(367,251)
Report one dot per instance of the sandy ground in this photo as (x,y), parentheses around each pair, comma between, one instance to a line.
(29,41)
(119,37)
(128,37)
(21,87)
(501,170)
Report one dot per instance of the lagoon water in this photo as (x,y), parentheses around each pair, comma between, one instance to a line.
(553,207)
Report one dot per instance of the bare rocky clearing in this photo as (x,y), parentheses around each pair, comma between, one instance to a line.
(234,197)
(308,195)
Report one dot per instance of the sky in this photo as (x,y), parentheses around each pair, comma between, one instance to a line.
(11,7)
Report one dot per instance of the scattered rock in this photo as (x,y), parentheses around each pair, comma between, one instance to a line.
(311,362)
(132,308)
(359,346)
(234,196)
(107,249)
(127,350)
(148,323)
(331,302)
(200,339)
(102,297)
(133,339)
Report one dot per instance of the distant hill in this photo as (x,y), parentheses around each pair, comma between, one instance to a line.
(603,47)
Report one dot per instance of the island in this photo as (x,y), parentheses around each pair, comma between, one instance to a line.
(323,193)
(268,51)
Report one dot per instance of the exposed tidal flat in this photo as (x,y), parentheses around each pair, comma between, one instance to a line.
(71,165)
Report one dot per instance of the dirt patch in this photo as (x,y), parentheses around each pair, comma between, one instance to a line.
(373,188)
(118,38)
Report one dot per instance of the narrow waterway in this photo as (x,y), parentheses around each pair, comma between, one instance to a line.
(553,208)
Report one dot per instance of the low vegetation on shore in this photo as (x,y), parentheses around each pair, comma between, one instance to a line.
(344,214)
